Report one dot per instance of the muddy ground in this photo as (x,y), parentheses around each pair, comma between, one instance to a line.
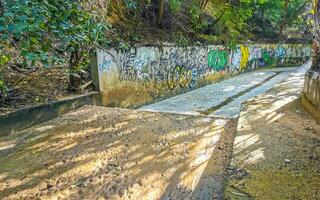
(105,153)
(280,158)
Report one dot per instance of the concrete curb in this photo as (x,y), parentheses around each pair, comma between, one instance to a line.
(310,108)
(21,119)
(311,94)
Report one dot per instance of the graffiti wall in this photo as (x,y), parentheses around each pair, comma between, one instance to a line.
(145,74)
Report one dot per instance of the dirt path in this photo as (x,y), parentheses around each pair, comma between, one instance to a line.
(277,147)
(103,153)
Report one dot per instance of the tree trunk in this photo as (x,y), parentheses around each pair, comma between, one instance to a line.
(316,33)
(160,12)
(74,77)
(316,57)
(1,7)
(284,18)
(204,4)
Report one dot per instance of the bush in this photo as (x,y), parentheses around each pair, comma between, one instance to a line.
(175,5)
(49,32)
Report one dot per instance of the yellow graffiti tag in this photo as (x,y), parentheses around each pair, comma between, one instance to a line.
(245,57)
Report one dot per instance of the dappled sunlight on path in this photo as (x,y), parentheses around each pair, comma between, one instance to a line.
(104,153)
(276,149)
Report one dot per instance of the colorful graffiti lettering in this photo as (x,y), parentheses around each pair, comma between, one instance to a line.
(254,56)
(280,52)
(265,59)
(194,77)
(280,55)
(179,76)
(245,57)
(174,68)
(235,59)
(217,59)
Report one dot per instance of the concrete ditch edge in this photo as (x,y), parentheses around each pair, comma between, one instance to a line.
(311,94)
(24,118)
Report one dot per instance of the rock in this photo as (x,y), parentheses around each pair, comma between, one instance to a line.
(112,166)
(287,161)
(81,184)
(139,182)
(308,128)
(49,185)
(80,191)
(122,192)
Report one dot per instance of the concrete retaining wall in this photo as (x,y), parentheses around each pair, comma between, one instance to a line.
(28,117)
(311,94)
(146,74)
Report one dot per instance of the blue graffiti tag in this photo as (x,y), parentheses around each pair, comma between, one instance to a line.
(281,52)
(194,74)
(106,64)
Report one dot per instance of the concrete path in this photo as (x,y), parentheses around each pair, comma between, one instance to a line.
(222,99)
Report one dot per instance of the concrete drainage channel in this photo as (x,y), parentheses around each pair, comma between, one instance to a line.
(232,109)
(229,100)
(24,118)
(222,99)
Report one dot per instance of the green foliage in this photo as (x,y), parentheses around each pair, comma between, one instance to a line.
(175,5)
(41,30)
(268,15)
(229,20)
(4,59)
(181,40)
(195,12)
(234,20)
(131,4)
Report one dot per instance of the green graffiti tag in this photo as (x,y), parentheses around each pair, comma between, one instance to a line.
(267,57)
(217,59)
